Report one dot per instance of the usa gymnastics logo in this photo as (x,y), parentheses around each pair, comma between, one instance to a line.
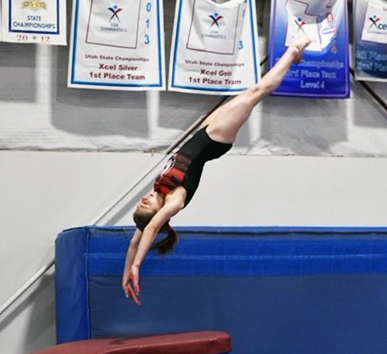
(115,10)
(299,22)
(375,23)
(215,17)
(114,21)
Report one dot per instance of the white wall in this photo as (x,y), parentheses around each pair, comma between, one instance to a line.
(43,193)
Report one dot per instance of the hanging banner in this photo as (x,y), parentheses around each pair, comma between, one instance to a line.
(1,22)
(324,68)
(214,47)
(117,45)
(34,21)
(370,40)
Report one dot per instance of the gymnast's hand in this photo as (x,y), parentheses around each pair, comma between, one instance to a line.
(130,284)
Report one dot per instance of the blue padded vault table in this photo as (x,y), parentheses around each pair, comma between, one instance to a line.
(275,290)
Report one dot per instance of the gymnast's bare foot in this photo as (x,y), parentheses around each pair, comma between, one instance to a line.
(300,43)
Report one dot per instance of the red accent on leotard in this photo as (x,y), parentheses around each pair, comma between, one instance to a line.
(172,175)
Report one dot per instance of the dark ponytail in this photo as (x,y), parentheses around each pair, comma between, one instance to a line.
(167,243)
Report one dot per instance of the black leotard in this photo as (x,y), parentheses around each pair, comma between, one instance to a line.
(185,167)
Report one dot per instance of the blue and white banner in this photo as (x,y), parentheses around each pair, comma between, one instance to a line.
(214,47)
(324,68)
(117,45)
(370,39)
(34,21)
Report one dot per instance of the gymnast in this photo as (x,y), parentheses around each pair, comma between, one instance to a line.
(175,186)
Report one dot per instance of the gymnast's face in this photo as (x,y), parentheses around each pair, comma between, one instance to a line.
(150,202)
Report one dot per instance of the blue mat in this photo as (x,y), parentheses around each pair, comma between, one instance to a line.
(275,290)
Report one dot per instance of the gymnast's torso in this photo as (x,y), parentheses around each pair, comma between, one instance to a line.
(185,167)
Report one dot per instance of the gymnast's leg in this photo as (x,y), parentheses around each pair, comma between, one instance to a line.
(223,124)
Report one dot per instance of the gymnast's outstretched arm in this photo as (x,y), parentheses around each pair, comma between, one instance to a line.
(126,277)
(143,241)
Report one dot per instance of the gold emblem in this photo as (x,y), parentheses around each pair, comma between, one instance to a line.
(34,5)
